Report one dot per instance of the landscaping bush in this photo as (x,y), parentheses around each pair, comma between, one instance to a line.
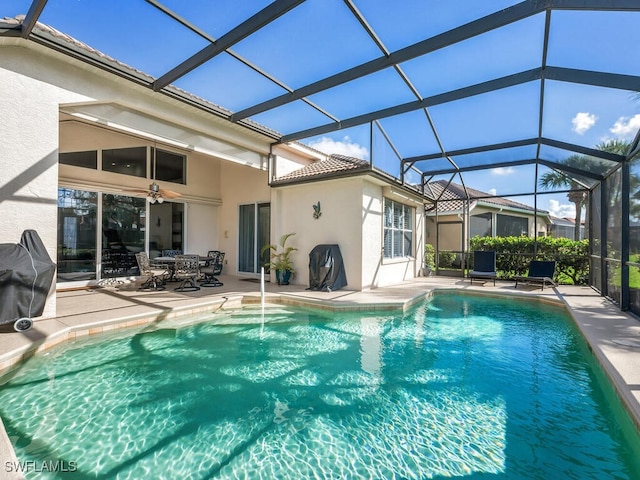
(430,257)
(513,255)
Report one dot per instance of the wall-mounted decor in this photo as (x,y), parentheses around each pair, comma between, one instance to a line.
(316,211)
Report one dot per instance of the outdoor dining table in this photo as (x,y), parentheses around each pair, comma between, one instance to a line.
(170,263)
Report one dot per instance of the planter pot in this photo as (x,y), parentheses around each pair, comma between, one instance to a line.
(283,277)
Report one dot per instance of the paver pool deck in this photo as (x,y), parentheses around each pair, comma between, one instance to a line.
(614,336)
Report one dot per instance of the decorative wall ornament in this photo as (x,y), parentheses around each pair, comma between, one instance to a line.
(316,211)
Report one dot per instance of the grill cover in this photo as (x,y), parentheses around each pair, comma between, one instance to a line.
(326,268)
(26,275)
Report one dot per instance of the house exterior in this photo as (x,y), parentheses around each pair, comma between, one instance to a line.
(564,228)
(82,147)
(458,216)
(378,225)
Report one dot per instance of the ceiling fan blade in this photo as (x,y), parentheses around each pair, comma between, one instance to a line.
(169,193)
(143,191)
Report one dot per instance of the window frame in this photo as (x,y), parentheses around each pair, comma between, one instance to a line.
(390,228)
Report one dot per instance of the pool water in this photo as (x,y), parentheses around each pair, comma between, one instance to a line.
(459,386)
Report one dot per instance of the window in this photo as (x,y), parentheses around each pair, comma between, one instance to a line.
(509,226)
(169,167)
(480,225)
(80,159)
(127,161)
(398,229)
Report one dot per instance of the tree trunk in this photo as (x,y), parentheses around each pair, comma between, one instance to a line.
(576,233)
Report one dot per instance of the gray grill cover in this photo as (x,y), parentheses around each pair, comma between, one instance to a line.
(326,268)
(26,275)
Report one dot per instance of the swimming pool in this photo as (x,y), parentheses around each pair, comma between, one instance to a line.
(459,386)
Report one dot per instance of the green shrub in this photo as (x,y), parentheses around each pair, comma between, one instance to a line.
(513,255)
(430,257)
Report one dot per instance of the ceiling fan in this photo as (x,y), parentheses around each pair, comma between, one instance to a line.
(154,193)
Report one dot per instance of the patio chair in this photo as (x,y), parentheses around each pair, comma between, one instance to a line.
(484,266)
(540,273)
(171,253)
(212,267)
(186,271)
(155,275)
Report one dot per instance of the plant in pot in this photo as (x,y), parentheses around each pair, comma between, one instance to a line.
(280,259)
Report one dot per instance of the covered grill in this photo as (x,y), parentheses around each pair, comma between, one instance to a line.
(326,268)
(26,276)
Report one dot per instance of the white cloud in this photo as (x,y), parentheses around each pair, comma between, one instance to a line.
(562,210)
(502,171)
(492,191)
(626,127)
(582,122)
(342,147)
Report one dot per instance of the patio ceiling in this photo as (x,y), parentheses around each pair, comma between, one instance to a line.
(426,90)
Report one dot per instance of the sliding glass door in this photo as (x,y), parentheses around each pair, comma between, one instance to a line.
(254,233)
(77,227)
(123,231)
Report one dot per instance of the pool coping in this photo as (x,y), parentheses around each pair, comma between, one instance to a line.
(602,336)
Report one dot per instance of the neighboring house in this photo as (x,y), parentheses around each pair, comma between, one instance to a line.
(82,146)
(378,224)
(459,216)
(564,228)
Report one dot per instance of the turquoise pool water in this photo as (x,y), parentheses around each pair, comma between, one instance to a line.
(460,386)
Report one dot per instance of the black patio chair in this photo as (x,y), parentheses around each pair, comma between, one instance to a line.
(540,273)
(155,275)
(484,266)
(186,271)
(212,267)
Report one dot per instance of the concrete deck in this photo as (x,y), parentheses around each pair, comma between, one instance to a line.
(614,336)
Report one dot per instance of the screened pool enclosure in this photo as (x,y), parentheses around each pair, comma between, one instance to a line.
(533,101)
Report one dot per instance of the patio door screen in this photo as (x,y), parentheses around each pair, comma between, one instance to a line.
(450,254)
(254,233)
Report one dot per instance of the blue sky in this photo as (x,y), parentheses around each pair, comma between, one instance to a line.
(321,37)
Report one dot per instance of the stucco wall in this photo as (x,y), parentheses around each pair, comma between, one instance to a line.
(36,84)
(340,223)
(241,185)
(352,214)
(29,153)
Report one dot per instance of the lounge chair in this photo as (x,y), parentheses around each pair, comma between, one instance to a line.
(540,273)
(484,266)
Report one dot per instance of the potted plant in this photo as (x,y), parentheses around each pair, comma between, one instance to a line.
(280,259)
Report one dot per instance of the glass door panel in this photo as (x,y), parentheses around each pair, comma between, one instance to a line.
(254,233)
(123,230)
(77,226)
(166,226)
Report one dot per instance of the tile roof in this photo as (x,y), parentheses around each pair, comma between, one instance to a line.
(452,198)
(330,167)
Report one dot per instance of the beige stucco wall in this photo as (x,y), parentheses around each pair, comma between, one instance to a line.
(240,185)
(37,84)
(340,223)
(29,153)
(352,213)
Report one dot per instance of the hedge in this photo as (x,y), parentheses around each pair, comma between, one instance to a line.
(513,255)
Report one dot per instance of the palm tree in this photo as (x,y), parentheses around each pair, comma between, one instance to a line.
(558,179)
